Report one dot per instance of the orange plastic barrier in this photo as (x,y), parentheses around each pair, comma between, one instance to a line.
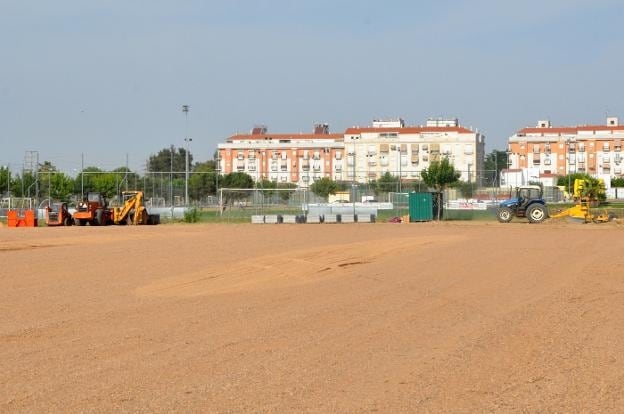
(27,220)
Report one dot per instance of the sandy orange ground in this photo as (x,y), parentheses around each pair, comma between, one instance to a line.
(313,318)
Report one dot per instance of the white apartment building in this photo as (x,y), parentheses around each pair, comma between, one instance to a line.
(406,150)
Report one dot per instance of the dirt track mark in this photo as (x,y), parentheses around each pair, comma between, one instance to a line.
(296,267)
(17,247)
(352,264)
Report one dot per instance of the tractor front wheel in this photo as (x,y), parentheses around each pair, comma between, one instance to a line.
(537,213)
(504,214)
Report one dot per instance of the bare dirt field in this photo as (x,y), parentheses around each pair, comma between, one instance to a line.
(437,317)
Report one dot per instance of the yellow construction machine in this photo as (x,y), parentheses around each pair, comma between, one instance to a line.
(585,197)
(133,210)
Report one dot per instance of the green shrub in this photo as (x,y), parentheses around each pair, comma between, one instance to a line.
(191,215)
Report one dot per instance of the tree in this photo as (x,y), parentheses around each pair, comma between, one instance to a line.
(202,181)
(235,180)
(23,185)
(496,161)
(53,183)
(162,161)
(4,179)
(466,188)
(593,189)
(568,181)
(285,195)
(60,186)
(86,178)
(126,178)
(268,188)
(617,182)
(385,184)
(439,176)
(324,187)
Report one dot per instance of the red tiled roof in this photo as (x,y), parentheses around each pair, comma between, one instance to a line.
(570,130)
(262,137)
(409,130)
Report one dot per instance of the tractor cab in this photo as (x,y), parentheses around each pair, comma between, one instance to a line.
(527,201)
(93,210)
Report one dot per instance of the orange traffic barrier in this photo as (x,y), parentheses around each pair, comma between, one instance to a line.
(27,220)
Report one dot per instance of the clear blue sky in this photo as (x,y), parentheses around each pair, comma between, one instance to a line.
(109,77)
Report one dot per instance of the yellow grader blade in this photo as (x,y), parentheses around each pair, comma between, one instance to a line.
(579,211)
(582,212)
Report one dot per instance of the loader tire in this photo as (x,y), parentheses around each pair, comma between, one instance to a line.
(97,220)
(537,213)
(504,214)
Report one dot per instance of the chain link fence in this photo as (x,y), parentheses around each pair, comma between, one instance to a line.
(166,191)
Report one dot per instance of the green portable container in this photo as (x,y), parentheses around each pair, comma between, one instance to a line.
(420,207)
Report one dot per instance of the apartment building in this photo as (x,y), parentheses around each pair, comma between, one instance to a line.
(390,146)
(544,150)
(299,158)
(359,154)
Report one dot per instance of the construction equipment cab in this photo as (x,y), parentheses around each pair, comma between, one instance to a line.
(92,210)
(133,210)
(57,214)
(526,202)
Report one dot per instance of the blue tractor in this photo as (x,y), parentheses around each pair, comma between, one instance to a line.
(527,202)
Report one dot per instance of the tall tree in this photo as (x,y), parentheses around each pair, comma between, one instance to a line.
(23,185)
(4,180)
(439,176)
(162,161)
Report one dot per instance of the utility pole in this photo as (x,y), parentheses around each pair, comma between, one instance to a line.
(185,109)
(218,171)
(126,174)
(9,182)
(353,184)
(400,172)
(81,176)
(495,166)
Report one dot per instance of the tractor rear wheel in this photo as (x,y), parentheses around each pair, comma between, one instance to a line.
(504,214)
(536,213)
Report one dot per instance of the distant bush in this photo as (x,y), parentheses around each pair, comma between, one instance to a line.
(191,215)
